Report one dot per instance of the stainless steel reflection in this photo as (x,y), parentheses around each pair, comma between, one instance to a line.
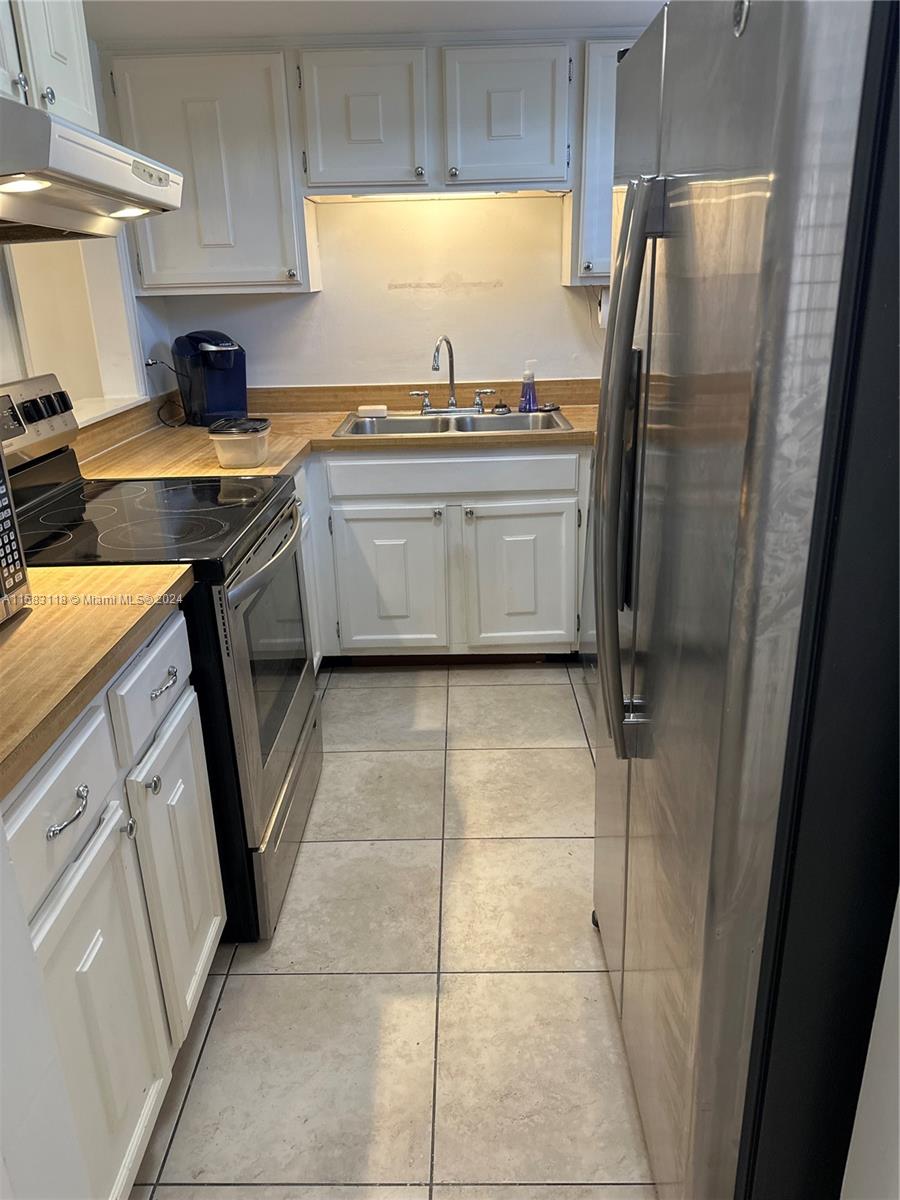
(268,666)
(756,144)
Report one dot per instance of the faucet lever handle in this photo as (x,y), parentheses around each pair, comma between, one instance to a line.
(480,394)
(424,396)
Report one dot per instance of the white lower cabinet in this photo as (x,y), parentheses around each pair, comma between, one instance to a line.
(95,952)
(391,569)
(520,572)
(169,797)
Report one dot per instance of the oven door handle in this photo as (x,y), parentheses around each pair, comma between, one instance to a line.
(246,587)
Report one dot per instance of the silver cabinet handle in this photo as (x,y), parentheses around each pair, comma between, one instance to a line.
(129,828)
(470,512)
(172,679)
(154,785)
(453,172)
(420,172)
(81,794)
(629,268)
(48,94)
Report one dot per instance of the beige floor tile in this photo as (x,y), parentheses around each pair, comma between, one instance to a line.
(474,675)
(286,1192)
(493,1191)
(397,794)
(182,1070)
(533,1085)
(594,719)
(384,718)
(367,677)
(355,906)
(519,793)
(519,905)
(222,958)
(317,1078)
(498,716)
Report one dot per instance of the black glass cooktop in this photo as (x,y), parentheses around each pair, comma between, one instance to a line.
(210,522)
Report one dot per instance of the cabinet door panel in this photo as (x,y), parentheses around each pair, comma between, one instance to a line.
(595,223)
(9,54)
(222,119)
(94,949)
(179,860)
(506,109)
(391,575)
(365,115)
(54,46)
(520,571)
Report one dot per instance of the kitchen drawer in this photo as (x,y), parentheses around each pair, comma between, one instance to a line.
(146,692)
(76,780)
(463,475)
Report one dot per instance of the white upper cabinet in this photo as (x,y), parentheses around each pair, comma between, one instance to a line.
(223,120)
(9,55)
(590,244)
(55,58)
(520,572)
(366,116)
(506,112)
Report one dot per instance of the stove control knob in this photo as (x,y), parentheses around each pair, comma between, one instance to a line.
(47,405)
(63,401)
(32,411)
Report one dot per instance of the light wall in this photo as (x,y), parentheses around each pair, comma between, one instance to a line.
(398,274)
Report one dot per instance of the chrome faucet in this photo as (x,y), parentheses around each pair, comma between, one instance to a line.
(436,366)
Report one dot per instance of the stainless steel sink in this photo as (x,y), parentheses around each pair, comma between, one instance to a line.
(354,426)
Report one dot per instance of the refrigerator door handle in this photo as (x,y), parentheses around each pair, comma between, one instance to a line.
(616,371)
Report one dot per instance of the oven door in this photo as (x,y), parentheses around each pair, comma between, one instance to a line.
(273,683)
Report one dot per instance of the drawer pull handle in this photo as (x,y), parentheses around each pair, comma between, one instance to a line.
(129,829)
(172,679)
(154,785)
(81,794)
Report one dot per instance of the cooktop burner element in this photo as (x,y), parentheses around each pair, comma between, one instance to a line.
(211,522)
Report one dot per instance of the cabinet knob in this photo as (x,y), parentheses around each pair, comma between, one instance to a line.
(453,172)
(420,172)
(291,273)
(21,81)
(470,513)
(437,513)
(129,828)
(154,785)
(587,266)
(48,94)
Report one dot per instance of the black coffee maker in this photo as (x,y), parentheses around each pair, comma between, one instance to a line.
(212,376)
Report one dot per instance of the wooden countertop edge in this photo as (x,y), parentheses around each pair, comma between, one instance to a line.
(34,745)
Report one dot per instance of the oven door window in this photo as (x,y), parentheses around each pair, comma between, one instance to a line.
(277,651)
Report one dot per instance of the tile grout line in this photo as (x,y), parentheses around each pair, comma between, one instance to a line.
(187,1091)
(437,982)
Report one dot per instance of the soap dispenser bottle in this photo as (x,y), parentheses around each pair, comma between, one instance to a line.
(528,401)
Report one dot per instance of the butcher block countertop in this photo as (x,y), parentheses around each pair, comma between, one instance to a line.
(84,623)
(187,450)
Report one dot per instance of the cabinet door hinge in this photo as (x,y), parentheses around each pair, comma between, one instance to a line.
(571,70)
(300,76)
(569,154)
(578,622)
(140,266)
(330,525)
(303,160)
(112,83)
(338,628)
(579,518)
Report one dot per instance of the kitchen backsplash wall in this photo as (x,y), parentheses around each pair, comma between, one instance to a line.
(398,274)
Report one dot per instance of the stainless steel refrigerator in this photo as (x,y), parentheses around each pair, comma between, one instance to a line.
(736,130)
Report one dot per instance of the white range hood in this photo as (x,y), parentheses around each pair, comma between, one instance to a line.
(58,180)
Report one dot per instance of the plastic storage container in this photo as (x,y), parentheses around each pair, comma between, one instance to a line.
(241,441)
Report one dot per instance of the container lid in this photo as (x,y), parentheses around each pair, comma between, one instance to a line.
(240,425)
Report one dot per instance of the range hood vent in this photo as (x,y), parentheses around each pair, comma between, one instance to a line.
(58,180)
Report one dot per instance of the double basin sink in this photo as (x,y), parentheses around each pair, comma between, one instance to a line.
(463,422)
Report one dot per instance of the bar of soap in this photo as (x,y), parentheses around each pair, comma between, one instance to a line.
(372,410)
